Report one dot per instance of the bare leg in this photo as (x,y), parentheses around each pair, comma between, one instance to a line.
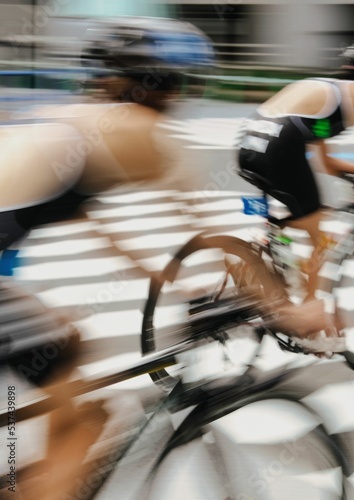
(310,317)
(311,224)
(71,432)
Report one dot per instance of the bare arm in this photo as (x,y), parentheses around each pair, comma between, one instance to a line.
(333,166)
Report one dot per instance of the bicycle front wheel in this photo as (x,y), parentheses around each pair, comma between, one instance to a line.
(204,270)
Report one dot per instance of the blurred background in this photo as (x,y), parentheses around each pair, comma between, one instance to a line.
(261,45)
(73,266)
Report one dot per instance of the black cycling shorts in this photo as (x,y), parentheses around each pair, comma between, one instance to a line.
(282,161)
(15,224)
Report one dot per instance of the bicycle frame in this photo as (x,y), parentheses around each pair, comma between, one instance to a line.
(210,401)
(336,254)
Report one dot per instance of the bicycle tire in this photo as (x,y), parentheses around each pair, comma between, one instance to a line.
(315,450)
(256,274)
(323,451)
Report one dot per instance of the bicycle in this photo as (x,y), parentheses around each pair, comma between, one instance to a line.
(243,269)
(149,448)
(220,395)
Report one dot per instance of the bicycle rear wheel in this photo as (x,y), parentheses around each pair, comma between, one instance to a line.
(261,450)
(203,272)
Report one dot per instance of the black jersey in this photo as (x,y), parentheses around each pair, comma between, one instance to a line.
(326,124)
(264,128)
(274,147)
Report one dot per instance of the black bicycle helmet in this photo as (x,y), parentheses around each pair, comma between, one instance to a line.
(348,56)
(347,67)
(155,51)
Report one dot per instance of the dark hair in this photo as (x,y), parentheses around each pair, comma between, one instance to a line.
(344,74)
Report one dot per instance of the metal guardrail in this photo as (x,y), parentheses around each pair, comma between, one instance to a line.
(237,87)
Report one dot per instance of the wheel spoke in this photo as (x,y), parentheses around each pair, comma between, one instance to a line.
(220,267)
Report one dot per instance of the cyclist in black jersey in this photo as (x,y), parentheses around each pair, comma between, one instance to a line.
(275,146)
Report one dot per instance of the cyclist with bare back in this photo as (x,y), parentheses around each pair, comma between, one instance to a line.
(71,153)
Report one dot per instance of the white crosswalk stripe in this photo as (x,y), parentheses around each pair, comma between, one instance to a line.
(97,270)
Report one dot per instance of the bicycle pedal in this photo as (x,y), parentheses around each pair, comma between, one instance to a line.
(288,344)
(323,344)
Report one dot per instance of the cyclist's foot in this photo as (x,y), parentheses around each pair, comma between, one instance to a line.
(302,320)
(311,328)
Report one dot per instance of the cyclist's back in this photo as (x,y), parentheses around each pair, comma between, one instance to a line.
(49,168)
(275,143)
(312,99)
(118,142)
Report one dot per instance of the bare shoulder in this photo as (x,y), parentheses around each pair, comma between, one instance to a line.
(301,87)
(347,91)
(350,88)
(302,97)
